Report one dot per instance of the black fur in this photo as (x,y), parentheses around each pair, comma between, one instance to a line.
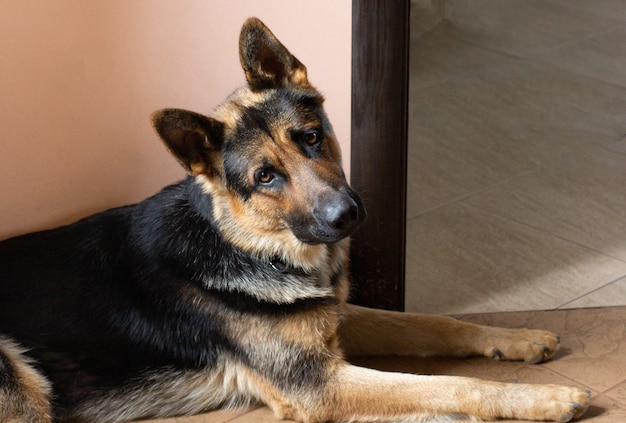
(7,374)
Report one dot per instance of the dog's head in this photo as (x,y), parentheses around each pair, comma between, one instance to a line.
(268,157)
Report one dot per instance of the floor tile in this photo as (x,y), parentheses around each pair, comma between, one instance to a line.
(618,146)
(598,358)
(260,415)
(454,161)
(518,93)
(524,27)
(618,394)
(474,132)
(440,54)
(601,57)
(463,260)
(218,416)
(609,9)
(604,410)
(582,199)
(613,294)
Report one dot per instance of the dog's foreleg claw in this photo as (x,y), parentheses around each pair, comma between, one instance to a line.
(496,354)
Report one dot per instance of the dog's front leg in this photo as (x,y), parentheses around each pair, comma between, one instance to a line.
(365,331)
(359,394)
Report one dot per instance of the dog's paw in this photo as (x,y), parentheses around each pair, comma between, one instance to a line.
(531,346)
(562,403)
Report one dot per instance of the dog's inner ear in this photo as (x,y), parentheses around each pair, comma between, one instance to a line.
(266,62)
(190,137)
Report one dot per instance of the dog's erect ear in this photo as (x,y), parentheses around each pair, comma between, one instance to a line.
(190,137)
(266,62)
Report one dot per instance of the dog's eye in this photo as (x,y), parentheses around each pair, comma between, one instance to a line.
(312,137)
(265,177)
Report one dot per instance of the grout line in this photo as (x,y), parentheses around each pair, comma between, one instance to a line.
(617,25)
(620,403)
(562,306)
(576,42)
(537,60)
(548,232)
(510,219)
(570,378)
(564,239)
(475,193)
(621,382)
(501,59)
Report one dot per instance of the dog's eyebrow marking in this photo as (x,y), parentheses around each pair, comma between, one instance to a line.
(310,100)
(256,118)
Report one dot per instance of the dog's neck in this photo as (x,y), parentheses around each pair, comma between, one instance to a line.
(261,242)
(270,278)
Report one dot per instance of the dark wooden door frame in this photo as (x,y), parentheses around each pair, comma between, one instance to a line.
(380,39)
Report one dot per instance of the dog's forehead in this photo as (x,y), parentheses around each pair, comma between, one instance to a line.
(267,111)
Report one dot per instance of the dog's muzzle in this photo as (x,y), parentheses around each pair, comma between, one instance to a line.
(336,215)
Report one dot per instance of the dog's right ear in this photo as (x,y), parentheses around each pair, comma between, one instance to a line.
(191,137)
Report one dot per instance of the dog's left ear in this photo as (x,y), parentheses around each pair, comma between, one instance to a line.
(191,137)
(266,62)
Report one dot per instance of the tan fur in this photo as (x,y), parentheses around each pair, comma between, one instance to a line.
(26,400)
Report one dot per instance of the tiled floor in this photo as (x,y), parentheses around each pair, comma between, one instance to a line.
(517,156)
(517,187)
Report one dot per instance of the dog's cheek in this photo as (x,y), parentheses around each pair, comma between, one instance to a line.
(265,213)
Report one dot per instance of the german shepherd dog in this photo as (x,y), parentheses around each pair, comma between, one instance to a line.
(230,287)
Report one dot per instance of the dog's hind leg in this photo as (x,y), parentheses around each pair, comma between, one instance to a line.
(365,331)
(24,393)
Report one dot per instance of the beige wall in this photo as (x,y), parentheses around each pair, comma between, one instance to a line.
(78,80)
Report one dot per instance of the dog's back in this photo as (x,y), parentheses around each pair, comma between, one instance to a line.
(76,296)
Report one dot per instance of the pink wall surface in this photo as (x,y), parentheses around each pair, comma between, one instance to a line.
(79,79)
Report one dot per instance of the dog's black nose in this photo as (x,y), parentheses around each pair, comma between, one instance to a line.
(341,214)
(336,215)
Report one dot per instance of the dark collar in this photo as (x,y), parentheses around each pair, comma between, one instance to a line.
(279,265)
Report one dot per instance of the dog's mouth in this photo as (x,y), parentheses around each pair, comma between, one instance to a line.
(336,216)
